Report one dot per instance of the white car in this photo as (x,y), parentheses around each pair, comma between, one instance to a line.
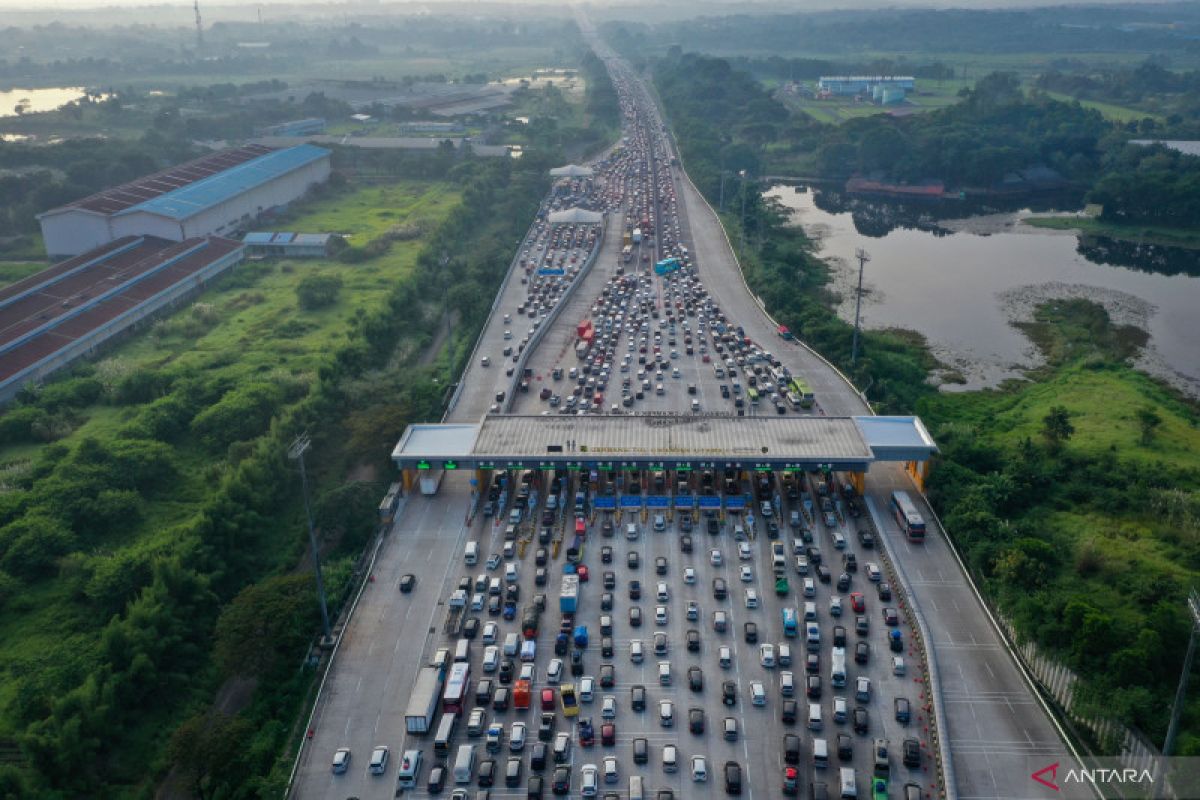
(510,572)
(693,610)
(491,658)
(810,587)
(490,631)
(670,755)
(663,594)
(341,760)
(689,575)
(660,615)
(636,651)
(699,769)
(835,606)
(610,769)
(873,573)
(766,655)
(744,551)
(516,737)
(751,598)
(608,708)
(758,693)
(587,688)
(725,656)
(898,666)
(527,672)
(554,671)
(666,713)
(746,573)
(714,557)
(590,782)
(379,759)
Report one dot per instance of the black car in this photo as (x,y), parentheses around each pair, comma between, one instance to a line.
(885,591)
(823,573)
(507,668)
(867,540)
(512,592)
(696,720)
(720,590)
(693,640)
(635,617)
(728,693)
(812,663)
(685,543)
(606,554)
(660,566)
(512,772)
(912,753)
(791,748)
(561,784)
(733,778)
(903,710)
(845,747)
(751,631)
(540,576)
(546,726)
(606,601)
(812,687)
(437,780)
(637,696)
(487,772)
(696,679)
(606,647)
(533,789)
(714,527)
(789,712)
(860,625)
(607,676)
(494,605)
(539,753)
(633,560)
(407,582)
(839,636)
(862,652)
(814,555)
(850,562)
(641,751)
(635,590)
(483,692)
(610,580)
(890,617)
(862,723)
(576,663)
(843,582)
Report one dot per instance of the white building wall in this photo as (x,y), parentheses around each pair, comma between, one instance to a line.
(238,211)
(73,232)
(140,223)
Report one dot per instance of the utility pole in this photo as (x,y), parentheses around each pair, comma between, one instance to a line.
(863,258)
(1193,603)
(742,175)
(296,453)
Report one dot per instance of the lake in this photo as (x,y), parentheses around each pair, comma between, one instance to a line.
(38,99)
(962,282)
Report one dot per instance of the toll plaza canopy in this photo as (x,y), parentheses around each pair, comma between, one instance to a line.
(664,441)
(576,216)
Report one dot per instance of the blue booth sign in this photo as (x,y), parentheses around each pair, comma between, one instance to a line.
(684,501)
(552,271)
(631,501)
(735,502)
(604,502)
(658,501)
(710,501)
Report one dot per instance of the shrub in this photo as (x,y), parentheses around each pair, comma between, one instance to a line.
(318,291)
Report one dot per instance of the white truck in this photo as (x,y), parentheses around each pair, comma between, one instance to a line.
(431,480)
(423,702)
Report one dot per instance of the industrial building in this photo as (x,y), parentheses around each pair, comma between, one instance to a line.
(49,319)
(849,85)
(217,194)
(265,244)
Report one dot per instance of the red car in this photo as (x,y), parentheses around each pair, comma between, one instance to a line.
(856,602)
(547,700)
(791,781)
(582,572)
(608,734)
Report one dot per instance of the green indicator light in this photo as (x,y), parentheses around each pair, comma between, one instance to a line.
(451,465)
(422,465)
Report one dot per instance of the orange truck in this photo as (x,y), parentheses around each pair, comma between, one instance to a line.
(521,695)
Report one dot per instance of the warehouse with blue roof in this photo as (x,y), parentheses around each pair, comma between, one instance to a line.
(219,194)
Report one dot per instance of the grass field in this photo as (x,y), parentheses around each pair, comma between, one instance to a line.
(1111,110)
(1149,234)
(931,95)
(13,271)
(247,327)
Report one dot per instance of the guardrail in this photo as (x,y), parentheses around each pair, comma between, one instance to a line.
(550,319)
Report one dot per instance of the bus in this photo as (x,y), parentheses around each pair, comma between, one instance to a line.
(752,393)
(907,516)
(803,391)
(837,672)
(454,698)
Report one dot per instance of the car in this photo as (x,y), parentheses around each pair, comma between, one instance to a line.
(670,758)
(660,566)
(610,580)
(641,751)
(714,557)
(751,633)
(845,747)
(666,713)
(812,663)
(729,693)
(493,561)
(890,617)
(608,734)
(560,783)
(885,591)
(693,640)
(733,778)
(843,582)
(898,665)
(895,641)
(486,774)
(546,726)
(695,679)
(812,687)
(744,552)
(437,779)
(512,772)
(861,626)
(660,615)
(589,783)
(879,752)
(554,671)
(379,759)
(862,722)
(912,753)
(407,582)
(862,689)
(633,560)
(607,676)
(903,710)
(635,590)
(637,697)
(587,733)
(635,617)
(610,769)
(689,575)
(696,720)
(693,610)
(606,554)
(857,602)
(746,574)
(720,621)
(720,590)
(766,655)
(751,598)
(583,573)
(862,652)
(341,760)
(608,707)
(873,572)
(516,737)
(789,710)
(699,769)
(662,593)
(490,631)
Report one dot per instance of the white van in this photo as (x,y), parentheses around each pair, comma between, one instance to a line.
(810,611)
(820,750)
(814,717)
(631,531)
(636,792)
(462,650)
(445,732)
(635,651)
(784,651)
(664,673)
(471,557)
(511,642)
(528,651)
(410,769)
(464,763)
(849,784)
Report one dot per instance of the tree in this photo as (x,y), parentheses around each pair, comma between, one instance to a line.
(1148,421)
(265,624)
(1057,427)
(318,291)
(209,748)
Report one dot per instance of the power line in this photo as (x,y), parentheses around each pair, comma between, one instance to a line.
(296,453)
(863,258)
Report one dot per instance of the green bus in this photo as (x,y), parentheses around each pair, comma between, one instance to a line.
(803,391)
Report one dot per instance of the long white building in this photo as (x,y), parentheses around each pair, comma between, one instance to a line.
(214,195)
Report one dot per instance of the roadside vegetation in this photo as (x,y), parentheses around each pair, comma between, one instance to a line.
(152,547)
(1075,495)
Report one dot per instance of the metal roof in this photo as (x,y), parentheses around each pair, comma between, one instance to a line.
(848,442)
(258,237)
(127,195)
(205,193)
(571,171)
(576,215)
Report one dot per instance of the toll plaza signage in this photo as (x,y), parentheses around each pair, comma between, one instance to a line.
(631,501)
(604,502)
(735,502)
(710,501)
(658,501)
(684,501)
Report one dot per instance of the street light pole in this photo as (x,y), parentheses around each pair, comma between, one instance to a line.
(1193,603)
(863,258)
(742,175)
(296,453)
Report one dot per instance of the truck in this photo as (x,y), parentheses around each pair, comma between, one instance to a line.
(667,265)
(522,692)
(423,701)
(431,480)
(627,241)
(583,329)
(575,549)
(568,596)
(529,622)
(581,636)
(581,349)
(785,334)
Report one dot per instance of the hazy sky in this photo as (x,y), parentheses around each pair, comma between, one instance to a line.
(802,5)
